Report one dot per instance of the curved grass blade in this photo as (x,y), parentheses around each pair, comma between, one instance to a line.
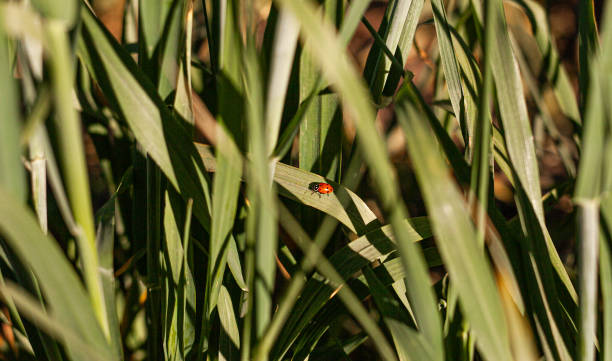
(555,72)
(521,338)
(12,175)
(133,97)
(587,197)
(64,11)
(588,46)
(518,135)
(226,186)
(399,16)
(171,46)
(455,237)
(72,156)
(390,32)
(230,337)
(183,100)
(451,69)
(605,259)
(481,156)
(593,181)
(562,143)
(181,328)
(151,18)
(105,237)
(404,45)
(410,345)
(320,141)
(351,20)
(230,139)
(262,227)
(498,236)
(60,284)
(285,42)
(52,325)
(374,245)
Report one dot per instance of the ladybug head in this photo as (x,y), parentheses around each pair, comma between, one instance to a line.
(314,186)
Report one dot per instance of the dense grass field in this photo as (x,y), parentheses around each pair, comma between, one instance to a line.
(305,180)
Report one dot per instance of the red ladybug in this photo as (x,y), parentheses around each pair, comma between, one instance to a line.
(322,188)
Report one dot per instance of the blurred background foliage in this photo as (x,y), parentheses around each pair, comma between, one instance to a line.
(158,158)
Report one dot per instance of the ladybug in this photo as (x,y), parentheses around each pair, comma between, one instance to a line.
(321,188)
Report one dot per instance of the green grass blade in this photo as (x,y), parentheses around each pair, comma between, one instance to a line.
(605,265)
(456,160)
(12,175)
(373,246)
(226,186)
(231,41)
(461,171)
(451,69)
(151,17)
(465,262)
(183,101)
(181,329)
(588,221)
(170,48)
(481,160)
(285,42)
(133,97)
(514,110)
(262,193)
(470,78)
(234,264)
(226,183)
(587,195)
(320,138)
(347,29)
(517,132)
(38,177)
(51,324)
(105,237)
(399,16)
(155,269)
(593,179)
(390,274)
(229,325)
(404,45)
(410,345)
(187,294)
(72,156)
(346,295)
(352,18)
(521,51)
(285,141)
(64,11)
(59,282)
(588,46)
(555,71)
